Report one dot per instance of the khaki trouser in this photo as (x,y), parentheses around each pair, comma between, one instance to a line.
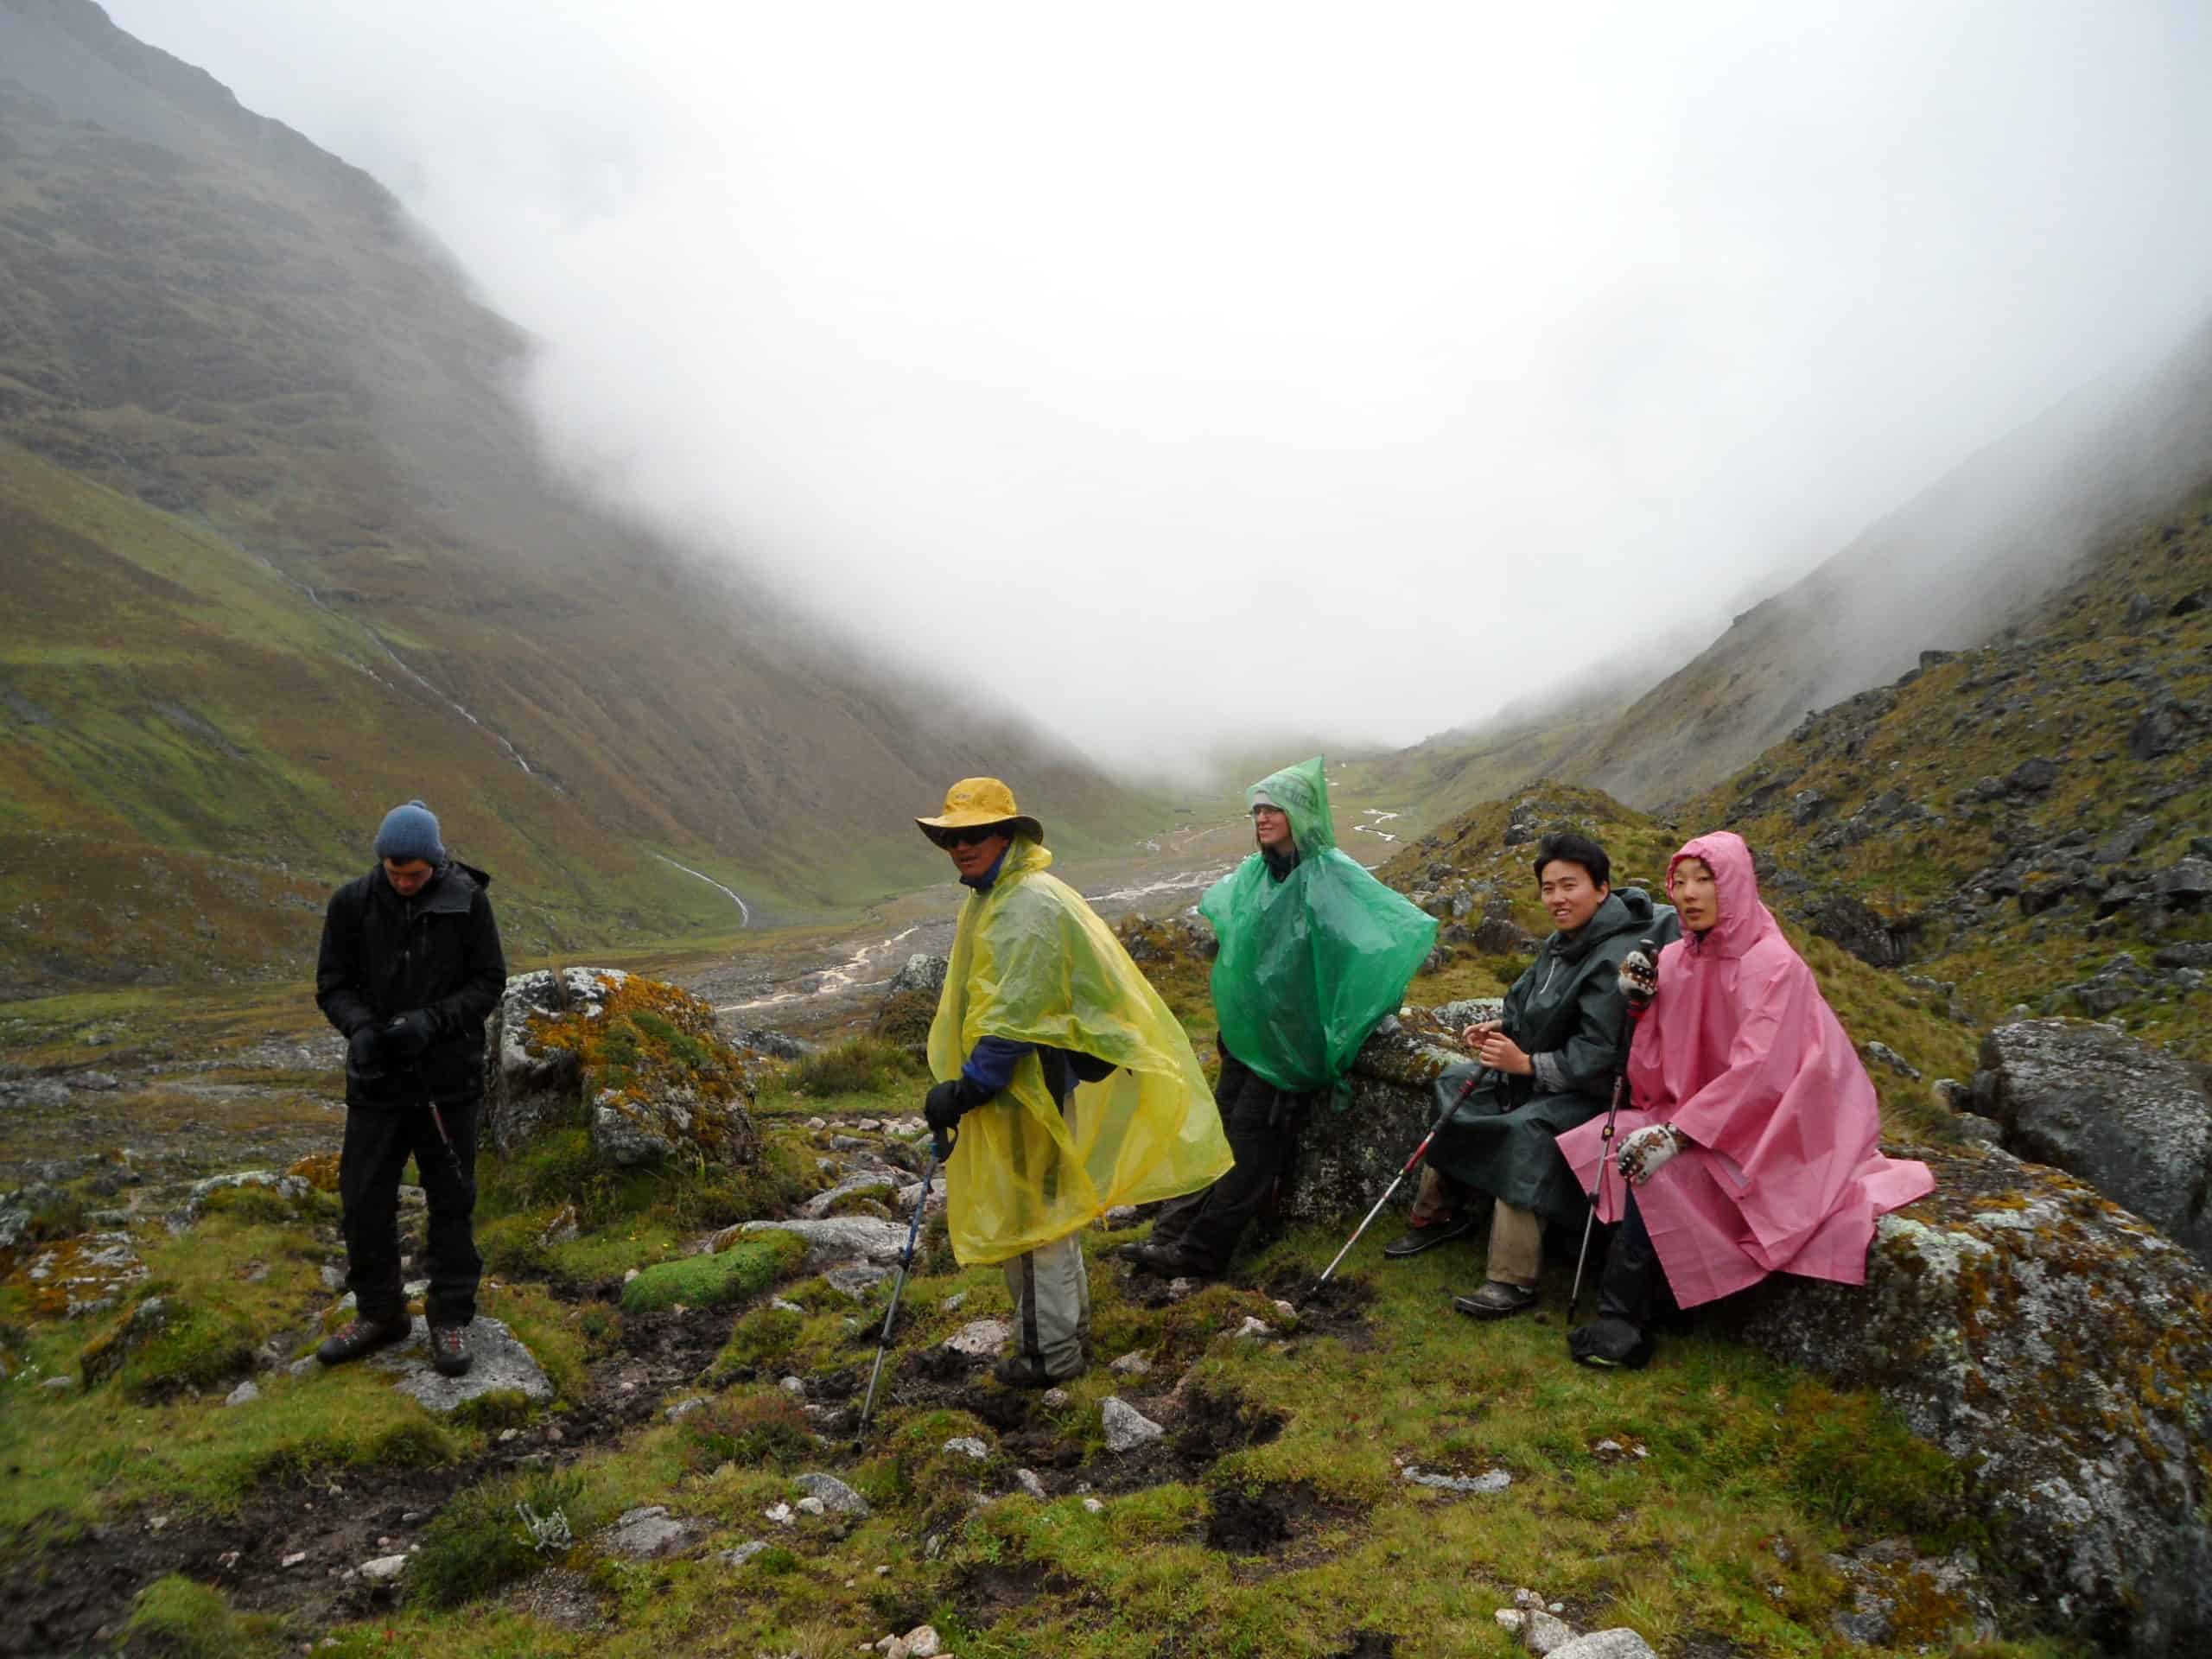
(1516,1235)
(1052,1306)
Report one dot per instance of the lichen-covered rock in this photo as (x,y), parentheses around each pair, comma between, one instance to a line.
(832,1241)
(1347,1157)
(79,1276)
(920,972)
(2125,1116)
(290,1188)
(2060,1349)
(638,1061)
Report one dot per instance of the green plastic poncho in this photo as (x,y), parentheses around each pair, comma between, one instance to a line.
(1310,964)
(1031,962)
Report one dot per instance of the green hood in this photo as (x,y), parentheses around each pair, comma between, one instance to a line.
(1302,791)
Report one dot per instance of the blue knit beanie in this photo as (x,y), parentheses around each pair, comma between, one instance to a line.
(411,832)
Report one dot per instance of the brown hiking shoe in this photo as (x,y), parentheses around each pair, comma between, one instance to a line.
(362,1336)
(449,1350)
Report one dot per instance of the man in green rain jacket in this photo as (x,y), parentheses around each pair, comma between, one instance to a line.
(1547,1065)
(1314,952)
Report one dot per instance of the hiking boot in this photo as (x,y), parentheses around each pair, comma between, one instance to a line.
(449,1350)
(1497,1301)
(362,1336)
(1020,1371)
(1415,1240)
(1166,1262)
(1611,1345)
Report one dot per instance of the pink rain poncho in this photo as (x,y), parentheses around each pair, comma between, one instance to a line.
(1740,1052)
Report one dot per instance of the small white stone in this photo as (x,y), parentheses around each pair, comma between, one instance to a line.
(1126,1426)
(922,1643)
(295,1558)
(244,1395)
(1132,1364)
(632,1274)
(781,1515)
(1252,1328)
(1094,1506)
(968,1446)
(1507,1618)
(811,1506)
(1027,1480)
(383,1569)
(794,1387)
(1055,1399)
(952,1304)
(1285,1310)
(783,1307)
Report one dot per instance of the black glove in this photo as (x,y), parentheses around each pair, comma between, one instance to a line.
(362,1055)
(949,1103)
(408,1035)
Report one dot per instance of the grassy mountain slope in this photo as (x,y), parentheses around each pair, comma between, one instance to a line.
(2008,819)
(299,419)
(1944,571)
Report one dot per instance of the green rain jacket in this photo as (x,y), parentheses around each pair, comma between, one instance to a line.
(1309,964)
(1569,1007)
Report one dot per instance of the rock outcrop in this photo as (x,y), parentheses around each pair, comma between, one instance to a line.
(2058,1347)
(637,1062)
(2124,1116)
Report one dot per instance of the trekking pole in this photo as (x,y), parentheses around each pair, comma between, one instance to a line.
(1412,1163)
(940,1150)
(453,1152)
(1632,1008)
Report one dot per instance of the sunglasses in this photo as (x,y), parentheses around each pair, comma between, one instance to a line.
(975,837)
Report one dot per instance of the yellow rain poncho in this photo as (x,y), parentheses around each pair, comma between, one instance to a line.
(1032,962)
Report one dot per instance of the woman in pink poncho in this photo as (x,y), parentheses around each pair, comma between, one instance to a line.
(1751,1145)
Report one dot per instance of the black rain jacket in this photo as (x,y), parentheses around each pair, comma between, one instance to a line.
(383,955)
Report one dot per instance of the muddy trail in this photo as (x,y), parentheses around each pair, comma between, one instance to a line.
(66,1598)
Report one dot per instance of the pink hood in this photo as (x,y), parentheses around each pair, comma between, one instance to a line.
(1741,1053)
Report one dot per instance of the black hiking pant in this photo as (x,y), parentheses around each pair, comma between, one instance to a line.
(379,1140)
(1263,1125)
(1634,1286)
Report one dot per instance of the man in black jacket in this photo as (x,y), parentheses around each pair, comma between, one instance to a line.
(409,970)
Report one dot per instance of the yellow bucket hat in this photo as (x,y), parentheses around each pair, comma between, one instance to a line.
(981,803)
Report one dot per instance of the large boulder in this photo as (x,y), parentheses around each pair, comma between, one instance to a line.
(638,1061)
(2125,1116)
(2061,1350)
(1346,1159)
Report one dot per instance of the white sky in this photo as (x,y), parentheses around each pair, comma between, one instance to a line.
(1196,370)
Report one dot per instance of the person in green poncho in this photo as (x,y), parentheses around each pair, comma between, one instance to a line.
(1314,952)
(1546,1065)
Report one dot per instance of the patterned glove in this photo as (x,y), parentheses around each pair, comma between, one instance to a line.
(1639,982)
(1645,1153)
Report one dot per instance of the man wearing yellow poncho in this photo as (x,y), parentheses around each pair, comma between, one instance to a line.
(1071,1086)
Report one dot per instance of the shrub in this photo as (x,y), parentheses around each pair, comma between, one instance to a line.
(760,1427)
(859,1066)
(176,1616)
(747,1267)
(763,1335)
(479,1542)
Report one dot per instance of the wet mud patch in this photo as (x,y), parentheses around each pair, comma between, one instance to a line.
(1280,1525)
(987,1591)
(55,1598)
(1338,1309)
(1368,1644)
(1207,1428)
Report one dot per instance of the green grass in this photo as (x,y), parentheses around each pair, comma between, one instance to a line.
(181,1619)
(743,1270)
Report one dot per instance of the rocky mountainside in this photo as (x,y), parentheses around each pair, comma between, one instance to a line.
(2029,821)
(1946,571)
(291,553)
